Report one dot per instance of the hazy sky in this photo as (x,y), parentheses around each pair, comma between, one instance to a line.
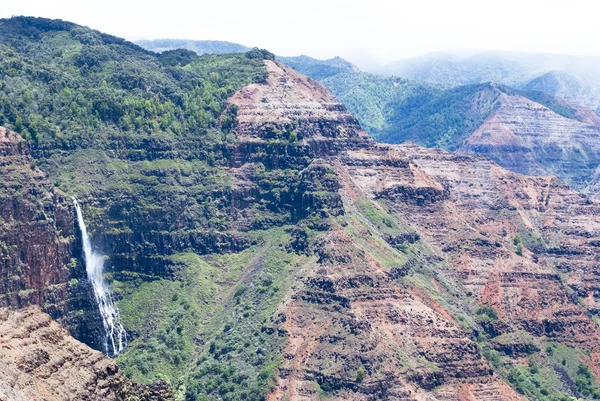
(382,29)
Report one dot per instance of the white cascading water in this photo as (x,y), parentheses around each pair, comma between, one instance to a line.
(115,338)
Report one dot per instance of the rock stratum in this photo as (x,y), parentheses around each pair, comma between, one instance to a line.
(530,138)
(361,308)
(268,248)
(41,361)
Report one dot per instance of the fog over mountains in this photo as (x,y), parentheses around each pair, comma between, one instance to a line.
(574,78)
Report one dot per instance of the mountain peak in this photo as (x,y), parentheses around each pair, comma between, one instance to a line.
(291,101)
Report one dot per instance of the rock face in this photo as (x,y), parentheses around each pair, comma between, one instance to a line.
(288,103)
(394,306)
(529,138)
(38,244)
(358,311)
(41,361)
(285,125)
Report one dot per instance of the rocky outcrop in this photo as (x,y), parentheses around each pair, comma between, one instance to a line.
(488,213)
(529,138)
(284,127)
(41,361)
(491,244)
(293,108)
(360,334)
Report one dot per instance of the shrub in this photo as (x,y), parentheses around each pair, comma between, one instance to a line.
(360,374)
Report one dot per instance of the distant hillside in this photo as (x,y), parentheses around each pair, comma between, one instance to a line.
(531,130)
(574,78)
(319,69)
(314,68)
(450,70)
(198,46)
(376,99)
(567,87)
(527,132)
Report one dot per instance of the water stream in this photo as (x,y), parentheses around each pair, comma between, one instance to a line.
(115,338)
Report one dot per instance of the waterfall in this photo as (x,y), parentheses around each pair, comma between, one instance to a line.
(115,337)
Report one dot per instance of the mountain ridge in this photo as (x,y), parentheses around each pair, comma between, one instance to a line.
(519,70)
(198,46)
(260,245)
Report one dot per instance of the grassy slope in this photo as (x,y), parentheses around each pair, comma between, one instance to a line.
(207,330)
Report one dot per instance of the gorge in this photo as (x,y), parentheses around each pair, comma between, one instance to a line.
(262,246)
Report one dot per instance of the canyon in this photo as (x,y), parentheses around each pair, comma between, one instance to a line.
(270,248)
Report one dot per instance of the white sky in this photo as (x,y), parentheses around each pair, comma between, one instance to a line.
(384,30)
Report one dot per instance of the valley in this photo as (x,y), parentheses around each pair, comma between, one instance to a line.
(260,244)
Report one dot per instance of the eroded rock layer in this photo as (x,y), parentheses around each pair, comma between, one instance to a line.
(428,245)
(41,361)
(527,137)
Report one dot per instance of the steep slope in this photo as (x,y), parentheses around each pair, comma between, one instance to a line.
(527,137)
(395,110)
(40,361)
(375,99)
(146,152)
(426,272)
(371,281)
(526,132)
(38,244)
(198,46)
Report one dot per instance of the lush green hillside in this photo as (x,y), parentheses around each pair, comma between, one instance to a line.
(318,69)
(374,99)
(395,110)
(198,46)
(142,140)
(446,118)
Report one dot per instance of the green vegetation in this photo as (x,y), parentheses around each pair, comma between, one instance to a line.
(145,142)
(360,374)
(139,138)
(395,110)
(242,344)
(317,69)
(209,331)
(197,46)
(554,374)
(375,100)
(488,312)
